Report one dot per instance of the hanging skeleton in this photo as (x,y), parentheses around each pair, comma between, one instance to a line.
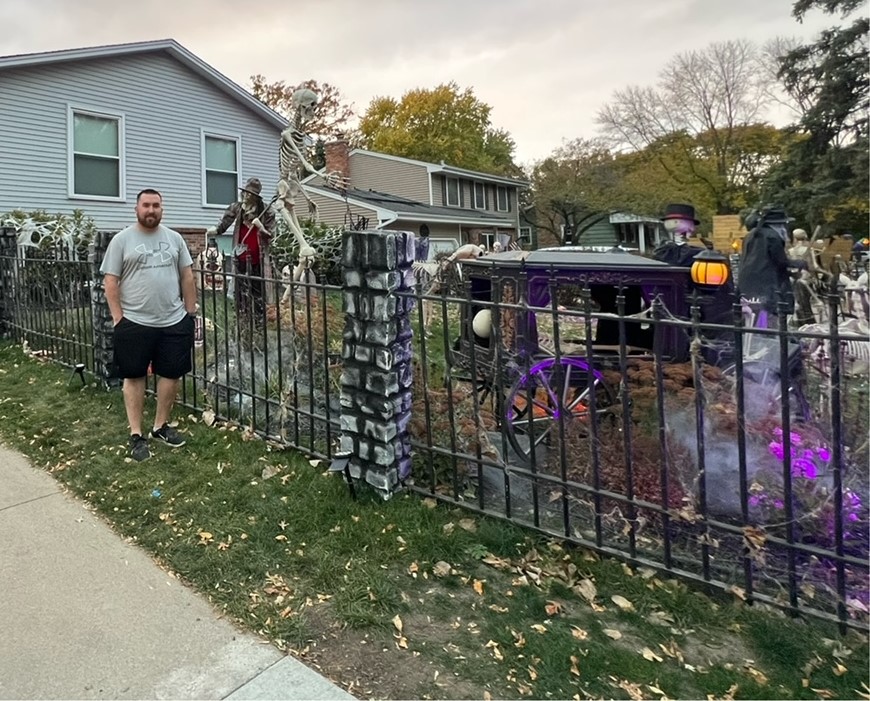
(294,142)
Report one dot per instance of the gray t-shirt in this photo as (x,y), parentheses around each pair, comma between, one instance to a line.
(149,266)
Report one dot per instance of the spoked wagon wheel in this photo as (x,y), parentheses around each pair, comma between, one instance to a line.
(549,392)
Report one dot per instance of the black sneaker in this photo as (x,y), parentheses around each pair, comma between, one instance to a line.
(139,448)
(168,435)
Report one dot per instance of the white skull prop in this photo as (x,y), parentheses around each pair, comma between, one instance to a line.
(304,101)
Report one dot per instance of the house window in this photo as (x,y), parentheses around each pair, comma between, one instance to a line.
(221,160)
(525,236)
(452,192)
(501,197)
(479,196)
(96,163)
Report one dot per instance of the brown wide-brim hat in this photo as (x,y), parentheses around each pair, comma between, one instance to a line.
(253,185)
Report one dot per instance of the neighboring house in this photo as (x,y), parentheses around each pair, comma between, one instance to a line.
(454,205)
(89,128)
(613,229)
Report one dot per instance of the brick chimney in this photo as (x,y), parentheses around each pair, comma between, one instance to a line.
(337,154)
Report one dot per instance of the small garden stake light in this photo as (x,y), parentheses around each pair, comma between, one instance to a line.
(710,269)
(79,370)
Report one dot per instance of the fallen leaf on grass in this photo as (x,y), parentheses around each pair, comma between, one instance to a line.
(553,608)
(579,633)
(650,655)
(519,639)
(839,670)
(757,675)
(533,673)
(478,586)
(492,645)
(575,666)
(496,562)
(611,633)
(498,609)
(633,690)
(468,524)
(586,589)
(487,696)
(430,503)
(448,528)
(205,537)
(270,471)
(314,463)
(622,602)
(538,628)
(208,417)
(441,569)
(397,622)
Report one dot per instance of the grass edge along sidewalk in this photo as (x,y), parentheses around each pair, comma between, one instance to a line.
(407,598)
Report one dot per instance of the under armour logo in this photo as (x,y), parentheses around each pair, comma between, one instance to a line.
(162,250)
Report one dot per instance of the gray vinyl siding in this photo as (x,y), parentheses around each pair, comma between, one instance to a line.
(165,107)
(332,212)
(409,180)
(436,231)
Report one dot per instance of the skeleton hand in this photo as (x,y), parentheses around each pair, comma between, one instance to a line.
(258,224)
(306,255)
(337,180)
(312,209)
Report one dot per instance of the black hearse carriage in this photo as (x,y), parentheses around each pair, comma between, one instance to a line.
(540,326)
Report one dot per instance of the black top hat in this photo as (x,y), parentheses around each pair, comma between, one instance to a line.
(775,214)
(680,211)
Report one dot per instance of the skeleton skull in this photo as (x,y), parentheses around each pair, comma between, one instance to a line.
(304,101)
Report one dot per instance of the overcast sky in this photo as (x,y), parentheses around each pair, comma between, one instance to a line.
(545,66)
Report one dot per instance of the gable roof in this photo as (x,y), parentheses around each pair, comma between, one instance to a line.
(394,207)
(169,46)
(446,169)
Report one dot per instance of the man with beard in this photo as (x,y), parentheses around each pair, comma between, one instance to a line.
(152,297)
(252,223)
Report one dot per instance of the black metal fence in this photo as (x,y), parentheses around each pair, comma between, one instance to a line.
(713,449)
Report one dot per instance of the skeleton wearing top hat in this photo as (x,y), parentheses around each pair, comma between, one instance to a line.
(680,223)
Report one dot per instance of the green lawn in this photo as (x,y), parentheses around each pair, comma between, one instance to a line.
(407,598)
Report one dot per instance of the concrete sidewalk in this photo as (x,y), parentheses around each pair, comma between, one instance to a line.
(84,615)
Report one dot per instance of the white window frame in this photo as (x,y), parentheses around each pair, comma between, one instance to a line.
(524,235)
(447,201)
(223,137)
(478,204)
(119,117)
(507,198)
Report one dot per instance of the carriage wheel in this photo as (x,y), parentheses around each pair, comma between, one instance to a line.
(548,392)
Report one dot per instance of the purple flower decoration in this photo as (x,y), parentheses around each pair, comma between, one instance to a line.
(804,468)
(776,449)
(824,453)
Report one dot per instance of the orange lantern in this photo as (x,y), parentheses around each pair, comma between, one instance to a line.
(710,269)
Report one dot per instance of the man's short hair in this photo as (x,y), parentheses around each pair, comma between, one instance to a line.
(148,191)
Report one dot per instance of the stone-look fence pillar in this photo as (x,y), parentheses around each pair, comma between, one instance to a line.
(104,349)
(8,251)
(376,377)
